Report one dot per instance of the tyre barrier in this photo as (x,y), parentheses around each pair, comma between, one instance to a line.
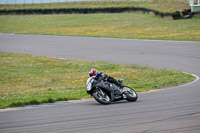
(82,11)
(185,14)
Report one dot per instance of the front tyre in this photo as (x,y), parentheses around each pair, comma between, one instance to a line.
(130,94)
(101,97)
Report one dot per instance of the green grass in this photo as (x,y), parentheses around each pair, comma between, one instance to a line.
(160,5)
(117,25)
(27,79)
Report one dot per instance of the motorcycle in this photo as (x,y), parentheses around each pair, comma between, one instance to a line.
(101,91)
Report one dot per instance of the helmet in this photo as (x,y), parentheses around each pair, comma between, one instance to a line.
(93,72)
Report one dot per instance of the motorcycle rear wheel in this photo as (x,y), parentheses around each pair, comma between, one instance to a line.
(130,94)
(100,97)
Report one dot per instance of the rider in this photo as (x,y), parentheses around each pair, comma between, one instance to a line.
(102,76)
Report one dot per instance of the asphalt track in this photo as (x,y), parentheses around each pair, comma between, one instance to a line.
(172,110)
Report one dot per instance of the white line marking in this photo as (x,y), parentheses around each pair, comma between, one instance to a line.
(197,78)
(166,88)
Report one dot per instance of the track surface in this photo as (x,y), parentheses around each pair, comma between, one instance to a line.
(173,110)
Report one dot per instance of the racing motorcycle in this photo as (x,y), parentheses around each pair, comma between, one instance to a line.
(101,91)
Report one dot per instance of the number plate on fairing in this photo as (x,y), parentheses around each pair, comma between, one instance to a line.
(89,86)
(89,83)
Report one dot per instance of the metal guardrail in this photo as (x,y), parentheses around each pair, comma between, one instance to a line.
(46,1)
(30,1)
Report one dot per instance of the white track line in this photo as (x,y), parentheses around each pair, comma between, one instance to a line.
(197,78)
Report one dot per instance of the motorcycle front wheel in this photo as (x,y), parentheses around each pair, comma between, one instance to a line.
(130,94)
(101,97)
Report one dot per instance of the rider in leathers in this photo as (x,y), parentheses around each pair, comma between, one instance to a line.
(102,76)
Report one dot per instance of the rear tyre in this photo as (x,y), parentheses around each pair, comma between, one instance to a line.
(130,94)
(101,97)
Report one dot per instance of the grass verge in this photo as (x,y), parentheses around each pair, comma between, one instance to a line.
(27,79)
(117,25)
